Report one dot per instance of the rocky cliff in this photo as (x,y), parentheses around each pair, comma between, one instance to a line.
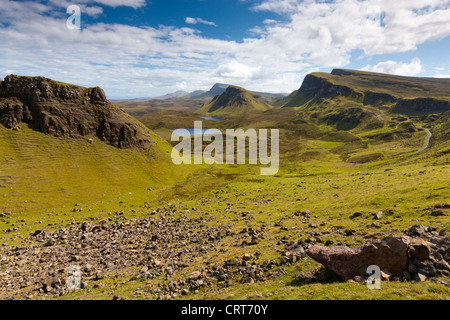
(402,94)
(62,109)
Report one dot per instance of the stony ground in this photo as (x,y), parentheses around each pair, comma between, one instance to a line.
(173,255)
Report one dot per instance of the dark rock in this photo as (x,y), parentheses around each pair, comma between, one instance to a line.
(438,213)
(440,240)
(356,214)
(417,230)
(50,242)
(67,110)
(407,275)
(231,262)
(442,265)
(349,232)
(419,248)
(412,268)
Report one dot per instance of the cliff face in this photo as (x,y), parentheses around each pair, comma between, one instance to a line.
(403,94)
(322,88)
(421,105)
(68,110)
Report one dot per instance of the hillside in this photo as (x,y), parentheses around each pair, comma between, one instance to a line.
(67,110)
(62,143)
(398,93)
(234,101)
(141,228)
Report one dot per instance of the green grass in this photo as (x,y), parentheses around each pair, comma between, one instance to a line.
(370,166)
(332,194)
(41,173)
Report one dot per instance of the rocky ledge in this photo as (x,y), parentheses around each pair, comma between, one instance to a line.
(62,109)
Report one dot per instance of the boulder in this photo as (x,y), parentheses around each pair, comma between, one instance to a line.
(419,249)
(390,254)
(378,215)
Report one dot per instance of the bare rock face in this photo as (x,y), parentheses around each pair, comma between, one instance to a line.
(419,249)
(390,254)
(63,109)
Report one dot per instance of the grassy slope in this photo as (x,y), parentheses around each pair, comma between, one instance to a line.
(39,172)
(397,86)
(236,102)
(332,190)
(322,169)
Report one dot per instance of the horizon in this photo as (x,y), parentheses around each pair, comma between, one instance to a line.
(136,48)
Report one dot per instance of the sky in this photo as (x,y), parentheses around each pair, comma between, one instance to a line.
(138,48)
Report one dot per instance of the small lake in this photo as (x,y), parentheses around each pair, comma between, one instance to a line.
(212,118)
(192,131)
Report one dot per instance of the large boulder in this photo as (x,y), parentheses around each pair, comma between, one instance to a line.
(419,249)
(390,254)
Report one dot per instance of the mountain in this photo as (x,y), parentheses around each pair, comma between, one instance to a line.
(62,109)
(215,90)
(196,92)
(234,100)
(173,95)
(63,144)
(220,88)
(398,93)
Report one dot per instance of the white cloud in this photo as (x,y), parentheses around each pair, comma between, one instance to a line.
(398,68)
(111,3)
(190,20)
(126,3)
(269,21)
(236,70)
(278,6)
(447,76)
(143,61)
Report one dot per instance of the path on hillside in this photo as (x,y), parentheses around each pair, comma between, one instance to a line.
(427,142)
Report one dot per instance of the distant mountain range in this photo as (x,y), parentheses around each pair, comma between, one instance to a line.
(215,90)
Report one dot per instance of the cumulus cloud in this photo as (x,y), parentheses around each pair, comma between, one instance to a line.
(278,6)
(399,68)
(236,70)
(190,20)
(111,3)
(144,61)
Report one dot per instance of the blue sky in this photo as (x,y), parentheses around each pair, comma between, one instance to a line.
(138,48)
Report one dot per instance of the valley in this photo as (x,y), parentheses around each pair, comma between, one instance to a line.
(362,156)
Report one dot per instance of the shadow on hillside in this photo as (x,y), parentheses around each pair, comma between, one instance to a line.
(322,275)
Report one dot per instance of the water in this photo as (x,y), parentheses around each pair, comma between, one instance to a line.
(192,131)
(212,118)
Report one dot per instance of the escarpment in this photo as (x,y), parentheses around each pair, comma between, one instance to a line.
(62,109)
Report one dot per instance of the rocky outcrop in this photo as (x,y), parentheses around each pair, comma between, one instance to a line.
(390,254)
(316,86)
(421,105)
(402,94)
(406,257)
(63,109)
